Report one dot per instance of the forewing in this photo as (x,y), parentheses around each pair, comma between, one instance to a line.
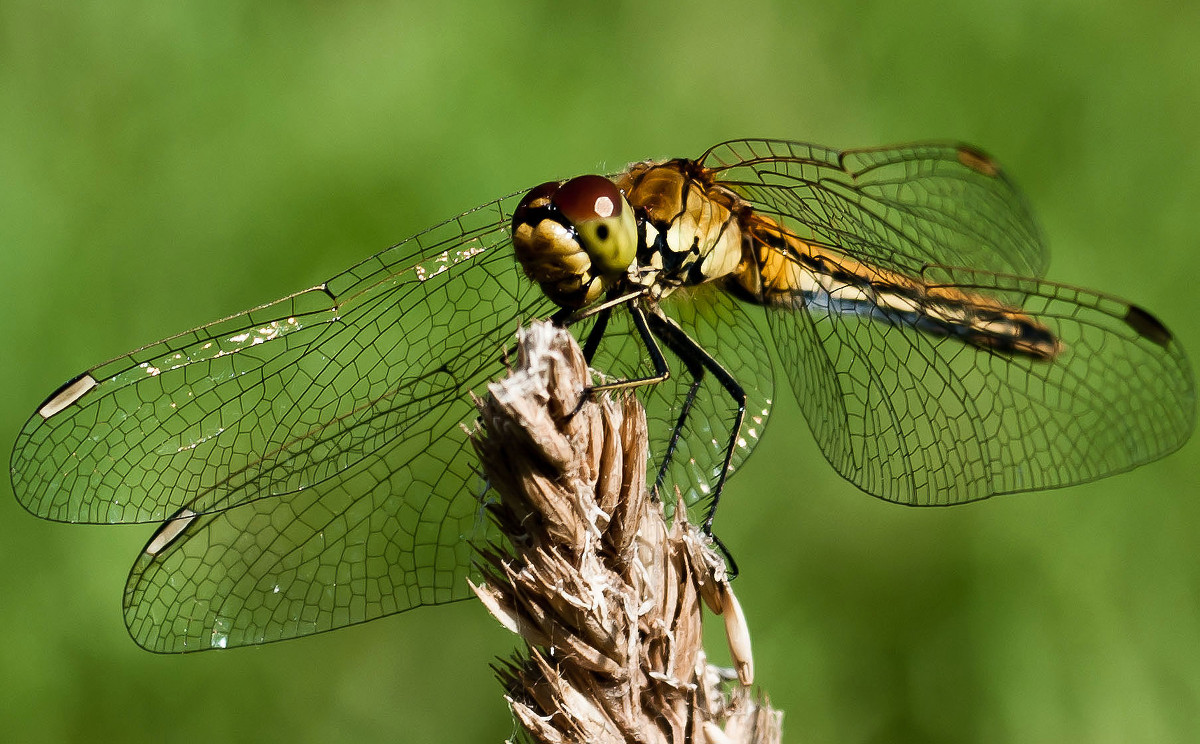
(286,396)
(900,207)
(306,455)
(929,420)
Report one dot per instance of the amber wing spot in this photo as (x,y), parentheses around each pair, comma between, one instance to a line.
(1148,326)
(978,160)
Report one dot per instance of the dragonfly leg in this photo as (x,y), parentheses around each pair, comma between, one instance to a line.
(650,329)
(694,356)
(596,334)
(696,371)
(602,311)
(608,304)
(661,370)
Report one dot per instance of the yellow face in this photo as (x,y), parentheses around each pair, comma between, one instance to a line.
(575,239)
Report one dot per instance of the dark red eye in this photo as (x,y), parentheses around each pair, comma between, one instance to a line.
(587,198)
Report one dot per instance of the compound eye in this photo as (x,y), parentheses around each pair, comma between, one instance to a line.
(537,198)
(588,198)
(603,219)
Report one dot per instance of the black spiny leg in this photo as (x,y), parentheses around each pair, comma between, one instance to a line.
(696,371)
(661,370)
(602,312)
(694,355)
(596,334)
(696,359)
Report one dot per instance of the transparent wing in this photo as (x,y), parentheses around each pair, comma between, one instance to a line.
(394,531)
(285,396)
(901,208)
(306,453)
(928,420)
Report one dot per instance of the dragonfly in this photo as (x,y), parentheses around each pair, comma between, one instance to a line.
(306,460)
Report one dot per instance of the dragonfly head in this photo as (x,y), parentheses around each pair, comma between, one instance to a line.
(575,238)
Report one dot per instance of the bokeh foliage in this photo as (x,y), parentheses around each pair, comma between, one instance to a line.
(163,164)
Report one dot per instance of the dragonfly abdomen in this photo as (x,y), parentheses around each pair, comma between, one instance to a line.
(1002,329)
(789,272)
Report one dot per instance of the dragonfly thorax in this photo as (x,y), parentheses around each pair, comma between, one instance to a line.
(690,228)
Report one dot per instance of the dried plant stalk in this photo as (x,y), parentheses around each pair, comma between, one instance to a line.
(605,593)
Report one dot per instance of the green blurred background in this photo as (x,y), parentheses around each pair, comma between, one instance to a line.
(162,165)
